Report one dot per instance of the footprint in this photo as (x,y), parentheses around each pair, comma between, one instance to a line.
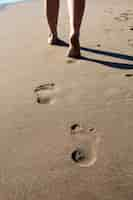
(129,11)
(130,14)
(98,45)
(70,61)
(125,16)
(119,95)
(78,155)
(107,30)
(131,28)
(85,142)
(75,128)
(109,11)
(130,42)
(129,98)
(46,93)
(129,75)
(121,18)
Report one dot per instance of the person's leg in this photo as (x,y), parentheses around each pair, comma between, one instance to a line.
(52,11)
(76,11)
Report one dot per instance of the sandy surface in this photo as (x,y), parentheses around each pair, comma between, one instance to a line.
(35,141)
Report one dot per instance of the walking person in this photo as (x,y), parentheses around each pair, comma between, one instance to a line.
(76,11)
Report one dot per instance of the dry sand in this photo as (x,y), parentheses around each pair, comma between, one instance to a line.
(35,138)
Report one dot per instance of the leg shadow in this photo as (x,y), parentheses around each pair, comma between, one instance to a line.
(109,64)
(107,53)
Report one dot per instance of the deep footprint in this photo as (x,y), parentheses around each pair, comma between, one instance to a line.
(129,75)
(98,45)
(85,143)
(74,128)
(46,93)
(131,28)
(78,155)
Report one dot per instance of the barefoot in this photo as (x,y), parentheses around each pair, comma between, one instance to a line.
(74,49)
(54,40)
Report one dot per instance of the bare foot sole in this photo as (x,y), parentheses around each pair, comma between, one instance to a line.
(74,49)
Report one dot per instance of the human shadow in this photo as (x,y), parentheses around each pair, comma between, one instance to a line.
(109,63)
(117,65)
(108,53)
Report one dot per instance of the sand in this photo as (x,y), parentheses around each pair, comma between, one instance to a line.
(96,91)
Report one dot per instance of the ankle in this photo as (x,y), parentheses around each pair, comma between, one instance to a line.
(53,34)
(75,35)
(74,41)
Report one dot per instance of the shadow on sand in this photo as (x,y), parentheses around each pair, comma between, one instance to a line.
(108,53)
(109,63)
(117,65)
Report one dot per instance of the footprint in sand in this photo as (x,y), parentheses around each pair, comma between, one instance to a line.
(70,61)
(129,11)
(107,30)
(130,42)
(85,142)
(131,28)
(125,16)
(46,93)
(121,18)
(109,11)
(130,14)
(129,75)
(98,45)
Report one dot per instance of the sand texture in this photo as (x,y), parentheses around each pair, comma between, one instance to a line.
(50,105)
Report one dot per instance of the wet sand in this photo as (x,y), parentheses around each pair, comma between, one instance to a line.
(96,91)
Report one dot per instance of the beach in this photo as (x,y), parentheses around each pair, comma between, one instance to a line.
(95,91)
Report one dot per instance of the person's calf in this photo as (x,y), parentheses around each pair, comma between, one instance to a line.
(52,13)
